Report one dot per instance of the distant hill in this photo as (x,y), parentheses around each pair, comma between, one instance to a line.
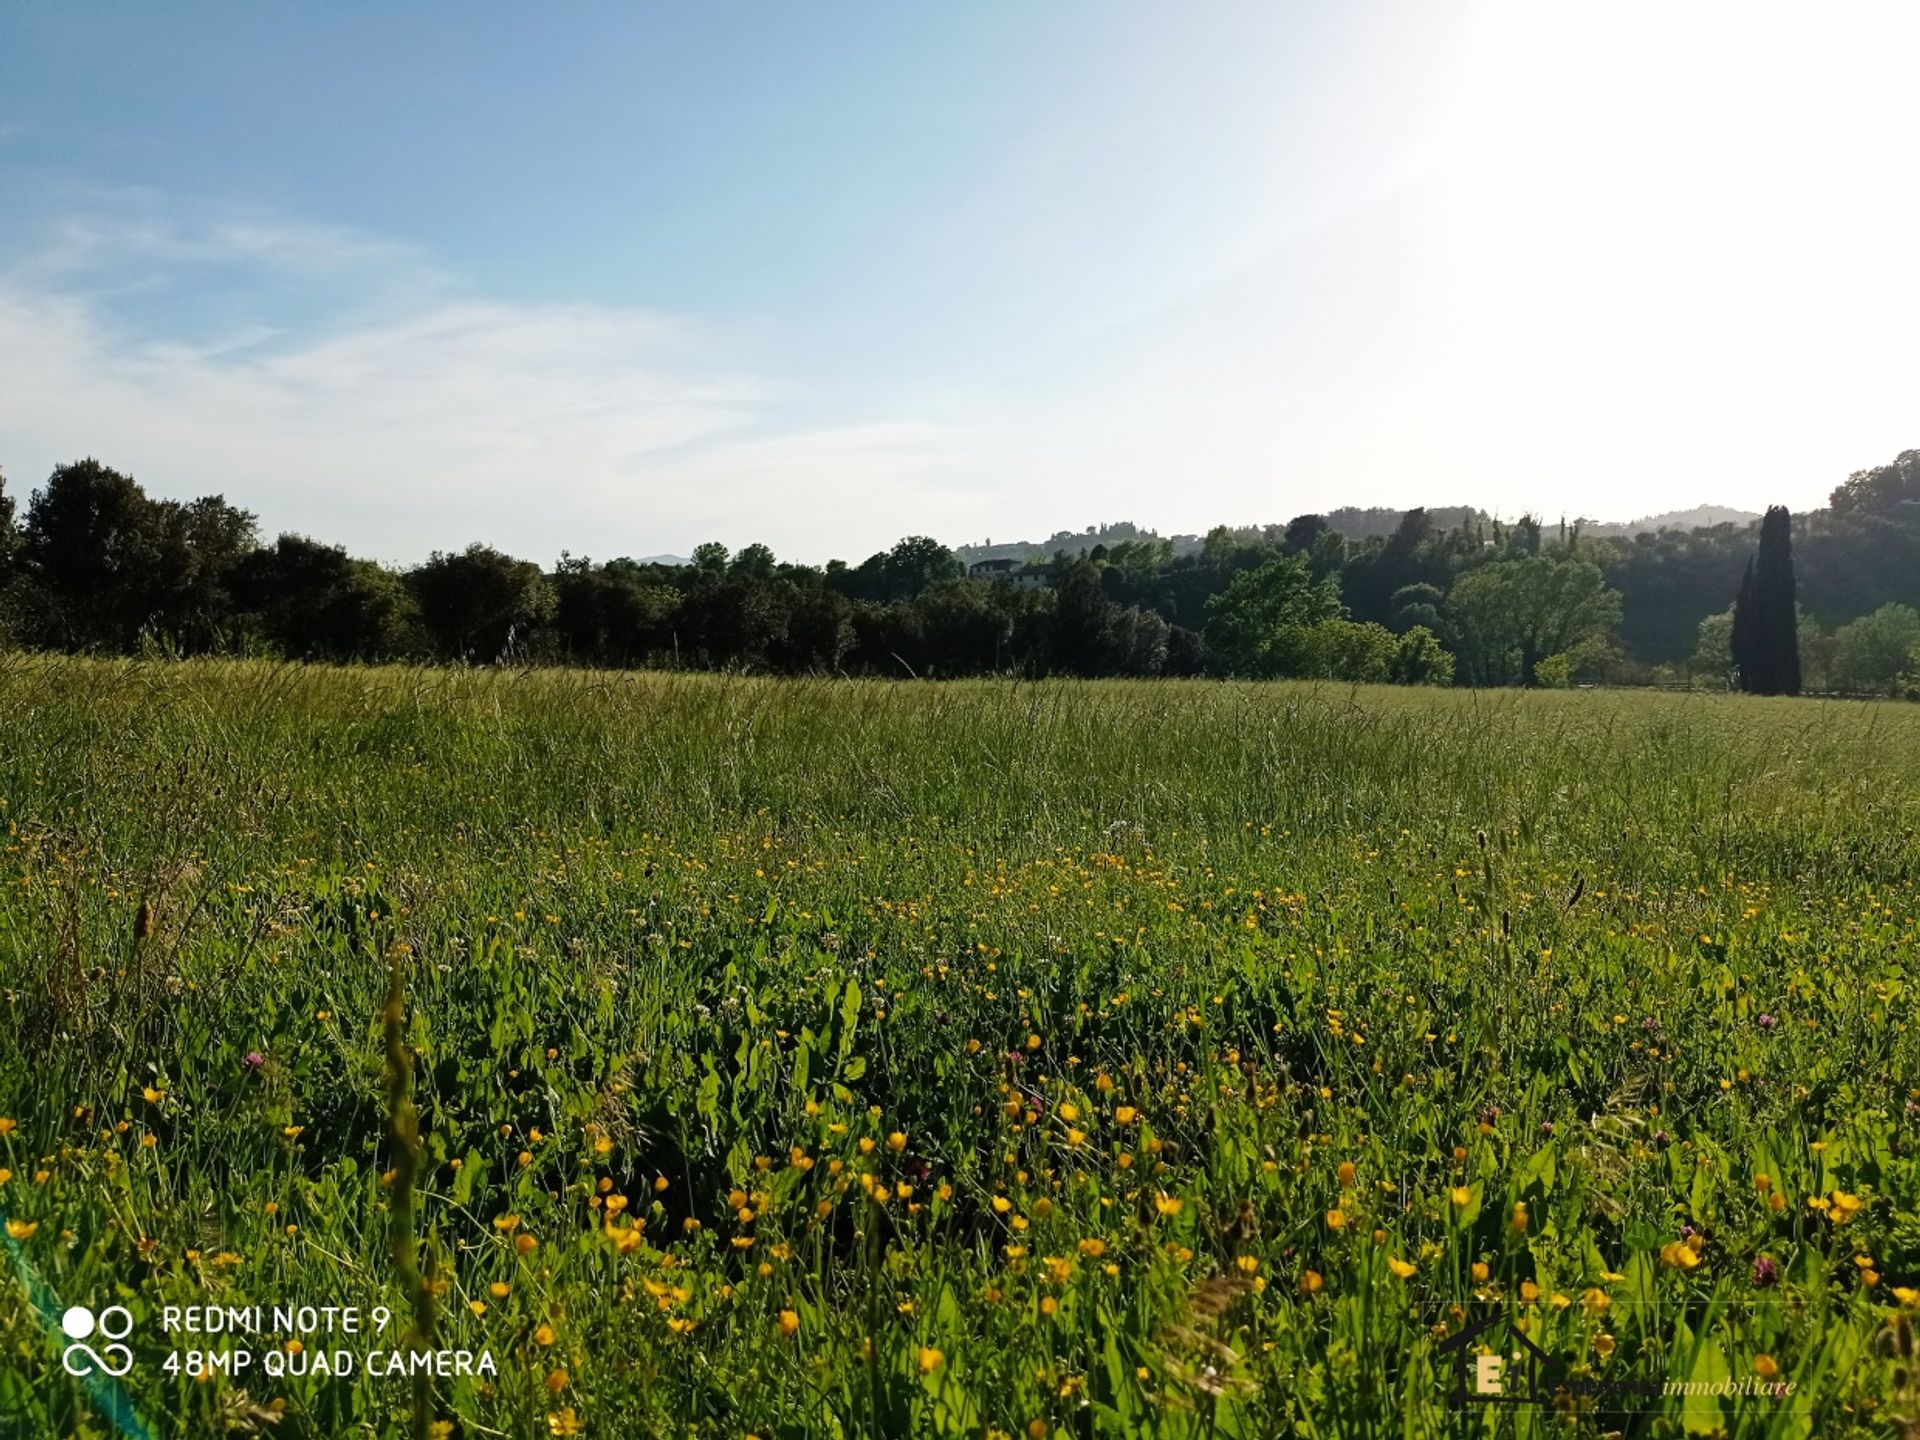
(1700,517)
(663,560)
(1355,522)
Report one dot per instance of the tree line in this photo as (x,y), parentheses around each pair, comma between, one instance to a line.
(92,563)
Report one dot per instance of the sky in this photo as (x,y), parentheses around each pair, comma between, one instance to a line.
(618,279)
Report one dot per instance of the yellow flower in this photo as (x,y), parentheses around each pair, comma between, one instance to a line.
(789,1322)
(1093,1248)
(897,1141)
(1345,1173)
(1125,1114)
(1312,1282)
(525,1244)
(1679,1256)
(543,1335)
(1167,1205)
(1336,1218)
(1529,1291)
(22,1229)
(1604,1344)
(929,1359)
(6,1125)
(1404,1269)
(564,1422)
(499,1289)
(1765,1366)
(556,1381)
(1480,1271)
(1461,1195)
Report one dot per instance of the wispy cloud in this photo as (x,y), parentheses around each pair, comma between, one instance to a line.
(415,416)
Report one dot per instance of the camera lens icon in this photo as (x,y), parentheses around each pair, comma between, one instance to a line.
(80,1324)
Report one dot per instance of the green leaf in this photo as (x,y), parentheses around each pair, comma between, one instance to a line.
(1702,1412)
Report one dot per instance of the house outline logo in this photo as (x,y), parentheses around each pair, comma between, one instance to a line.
(1489,1379)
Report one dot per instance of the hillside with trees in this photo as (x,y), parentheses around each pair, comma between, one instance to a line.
(91,563)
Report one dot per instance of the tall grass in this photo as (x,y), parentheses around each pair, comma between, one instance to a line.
(655,930)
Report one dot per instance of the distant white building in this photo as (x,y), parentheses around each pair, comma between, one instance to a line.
(1014,572)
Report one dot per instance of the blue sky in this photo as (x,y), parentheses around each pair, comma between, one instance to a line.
(618,279)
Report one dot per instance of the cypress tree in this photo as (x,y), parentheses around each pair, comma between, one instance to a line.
(1766,638)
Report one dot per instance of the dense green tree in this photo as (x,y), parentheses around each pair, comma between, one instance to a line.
(1882,489)
(1137,642)
(1712,661)
(914,564)
(964,629)
(756,562)
(1765,637)
(196,550)
(1380,569)
(107,565)
(1418,605)
(310,601)
(612,614)
(1420,659)
(1672,580)
(478,604)
(1871,654)
(1303,532)
(1514,613)
(1083,617)
(90,543)
(1253,625)
(819,630)
(1354,650)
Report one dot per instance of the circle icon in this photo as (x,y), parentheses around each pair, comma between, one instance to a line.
(77,1322)
(124,1322)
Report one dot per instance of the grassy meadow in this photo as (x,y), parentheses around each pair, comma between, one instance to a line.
(795,1058)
